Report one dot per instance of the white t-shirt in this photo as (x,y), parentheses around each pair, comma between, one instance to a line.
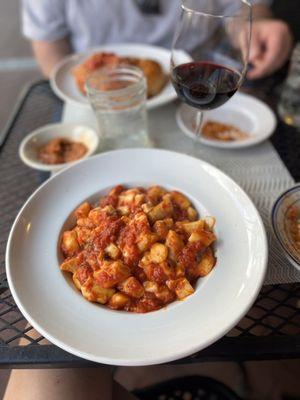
(90,23)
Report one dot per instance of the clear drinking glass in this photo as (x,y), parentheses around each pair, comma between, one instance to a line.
(118,97)
(289,103)
(215,37)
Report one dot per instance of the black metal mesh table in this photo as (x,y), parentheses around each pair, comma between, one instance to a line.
(271,329)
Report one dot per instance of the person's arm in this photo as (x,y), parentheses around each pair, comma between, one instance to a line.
(45,24)
(271,43)
(48,54)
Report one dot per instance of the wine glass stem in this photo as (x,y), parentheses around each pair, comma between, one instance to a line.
(198,130)
(199,121)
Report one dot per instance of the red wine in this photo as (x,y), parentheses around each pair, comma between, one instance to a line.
(205,85)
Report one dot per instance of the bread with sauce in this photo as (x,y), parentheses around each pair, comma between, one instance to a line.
(155,76)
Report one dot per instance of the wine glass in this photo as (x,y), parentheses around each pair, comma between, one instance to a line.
(210,53)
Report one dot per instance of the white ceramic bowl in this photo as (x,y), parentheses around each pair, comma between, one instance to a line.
(28,150)
(49,301)
(290,198)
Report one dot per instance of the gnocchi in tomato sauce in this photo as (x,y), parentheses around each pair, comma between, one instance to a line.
(138,249)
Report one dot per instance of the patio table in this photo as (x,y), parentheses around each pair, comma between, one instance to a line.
(271,328)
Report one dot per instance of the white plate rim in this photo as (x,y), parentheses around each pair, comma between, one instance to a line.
(158,360)
(151,103)
(252,141)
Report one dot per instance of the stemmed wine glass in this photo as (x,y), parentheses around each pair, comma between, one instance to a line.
(210,52)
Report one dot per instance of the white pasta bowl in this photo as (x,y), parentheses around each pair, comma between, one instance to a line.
(29,147)
(58,311)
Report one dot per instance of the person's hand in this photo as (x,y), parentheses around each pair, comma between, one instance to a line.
(271,45)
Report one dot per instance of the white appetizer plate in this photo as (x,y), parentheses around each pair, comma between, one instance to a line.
(243,111)
(63,83)
(49,301)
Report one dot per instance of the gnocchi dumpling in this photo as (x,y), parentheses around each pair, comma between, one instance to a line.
(138,249)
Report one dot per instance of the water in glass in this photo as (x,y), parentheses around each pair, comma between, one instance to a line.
(118,97)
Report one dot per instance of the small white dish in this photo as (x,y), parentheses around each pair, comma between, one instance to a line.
(63,83)
(49,301)
(28,150)
(245,112)
(281,208)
